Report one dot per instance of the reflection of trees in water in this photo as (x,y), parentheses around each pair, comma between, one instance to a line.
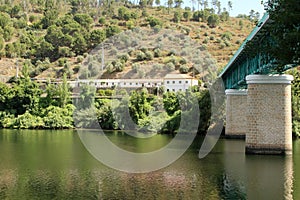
(8,180)
(230,189)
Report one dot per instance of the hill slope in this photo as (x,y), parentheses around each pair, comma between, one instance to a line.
(60,37)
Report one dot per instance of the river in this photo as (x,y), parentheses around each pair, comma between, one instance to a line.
(43,164)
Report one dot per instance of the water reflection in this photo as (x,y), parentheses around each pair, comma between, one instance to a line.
(55,165)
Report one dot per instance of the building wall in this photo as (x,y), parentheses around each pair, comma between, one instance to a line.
(176,85)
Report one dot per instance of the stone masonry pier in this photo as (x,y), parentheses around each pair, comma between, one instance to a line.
(236,119)
(269,115)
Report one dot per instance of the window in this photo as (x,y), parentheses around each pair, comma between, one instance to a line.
(124,83)
(180,82)
(173,82)
(168,82)
(173,90)
(186,81)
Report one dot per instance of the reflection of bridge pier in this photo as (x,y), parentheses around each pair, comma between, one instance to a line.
(257,177)
(270,178)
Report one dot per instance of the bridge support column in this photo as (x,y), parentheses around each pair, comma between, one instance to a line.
(236,107)
(269,114)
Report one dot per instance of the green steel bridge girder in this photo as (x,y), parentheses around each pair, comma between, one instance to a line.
(244,63)
(235,77)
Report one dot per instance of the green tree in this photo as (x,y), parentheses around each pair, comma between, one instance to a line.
(84,20)
(64,94)
(4,20)
(139,107)
(170,4)
(112,30)
(177,16)
(213,20)
(187,15)
(24,96)
(49,18)
(4,96)
(171,103)
(229,6)
(284,31)
(1,43)
(96,37)
(178,3)
(296,102)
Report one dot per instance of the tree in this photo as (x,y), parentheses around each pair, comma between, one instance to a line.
(139,107)
(187,15)
(4,20)
(229,6)
(177,16)
(178,3)
(169,3)
(157,2)
(64,95)
(213,20)
(84,20)
(96,37)
(296,102)
(284,31)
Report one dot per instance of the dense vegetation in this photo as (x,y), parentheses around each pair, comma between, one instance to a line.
(285,32)
(53,37)
(24,105)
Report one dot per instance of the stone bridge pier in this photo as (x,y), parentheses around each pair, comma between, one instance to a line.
(269,114)
(263,113)
(236,119)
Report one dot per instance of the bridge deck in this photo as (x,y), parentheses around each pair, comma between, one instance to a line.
(243,64)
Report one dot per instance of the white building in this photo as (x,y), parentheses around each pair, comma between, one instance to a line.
(171,82)
(179,82)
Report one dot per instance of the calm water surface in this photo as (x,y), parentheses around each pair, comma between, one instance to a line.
(55,165)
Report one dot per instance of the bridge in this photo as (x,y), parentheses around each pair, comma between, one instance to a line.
(258,97)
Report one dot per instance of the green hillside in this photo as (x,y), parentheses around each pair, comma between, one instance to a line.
(56,37)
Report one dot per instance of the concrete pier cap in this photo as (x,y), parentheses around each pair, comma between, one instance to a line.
(237,92)
(269,79)
(269,114)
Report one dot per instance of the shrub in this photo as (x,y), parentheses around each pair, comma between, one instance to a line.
(149,55)
(124,57)
(226,36)
(170,66)
(140,56)
(177,16)
(184,69)
(157,53)
(135,67)
(213,20)
(154,21)
(102,20)
(79,59)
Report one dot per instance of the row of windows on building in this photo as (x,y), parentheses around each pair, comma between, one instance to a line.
(179,82)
